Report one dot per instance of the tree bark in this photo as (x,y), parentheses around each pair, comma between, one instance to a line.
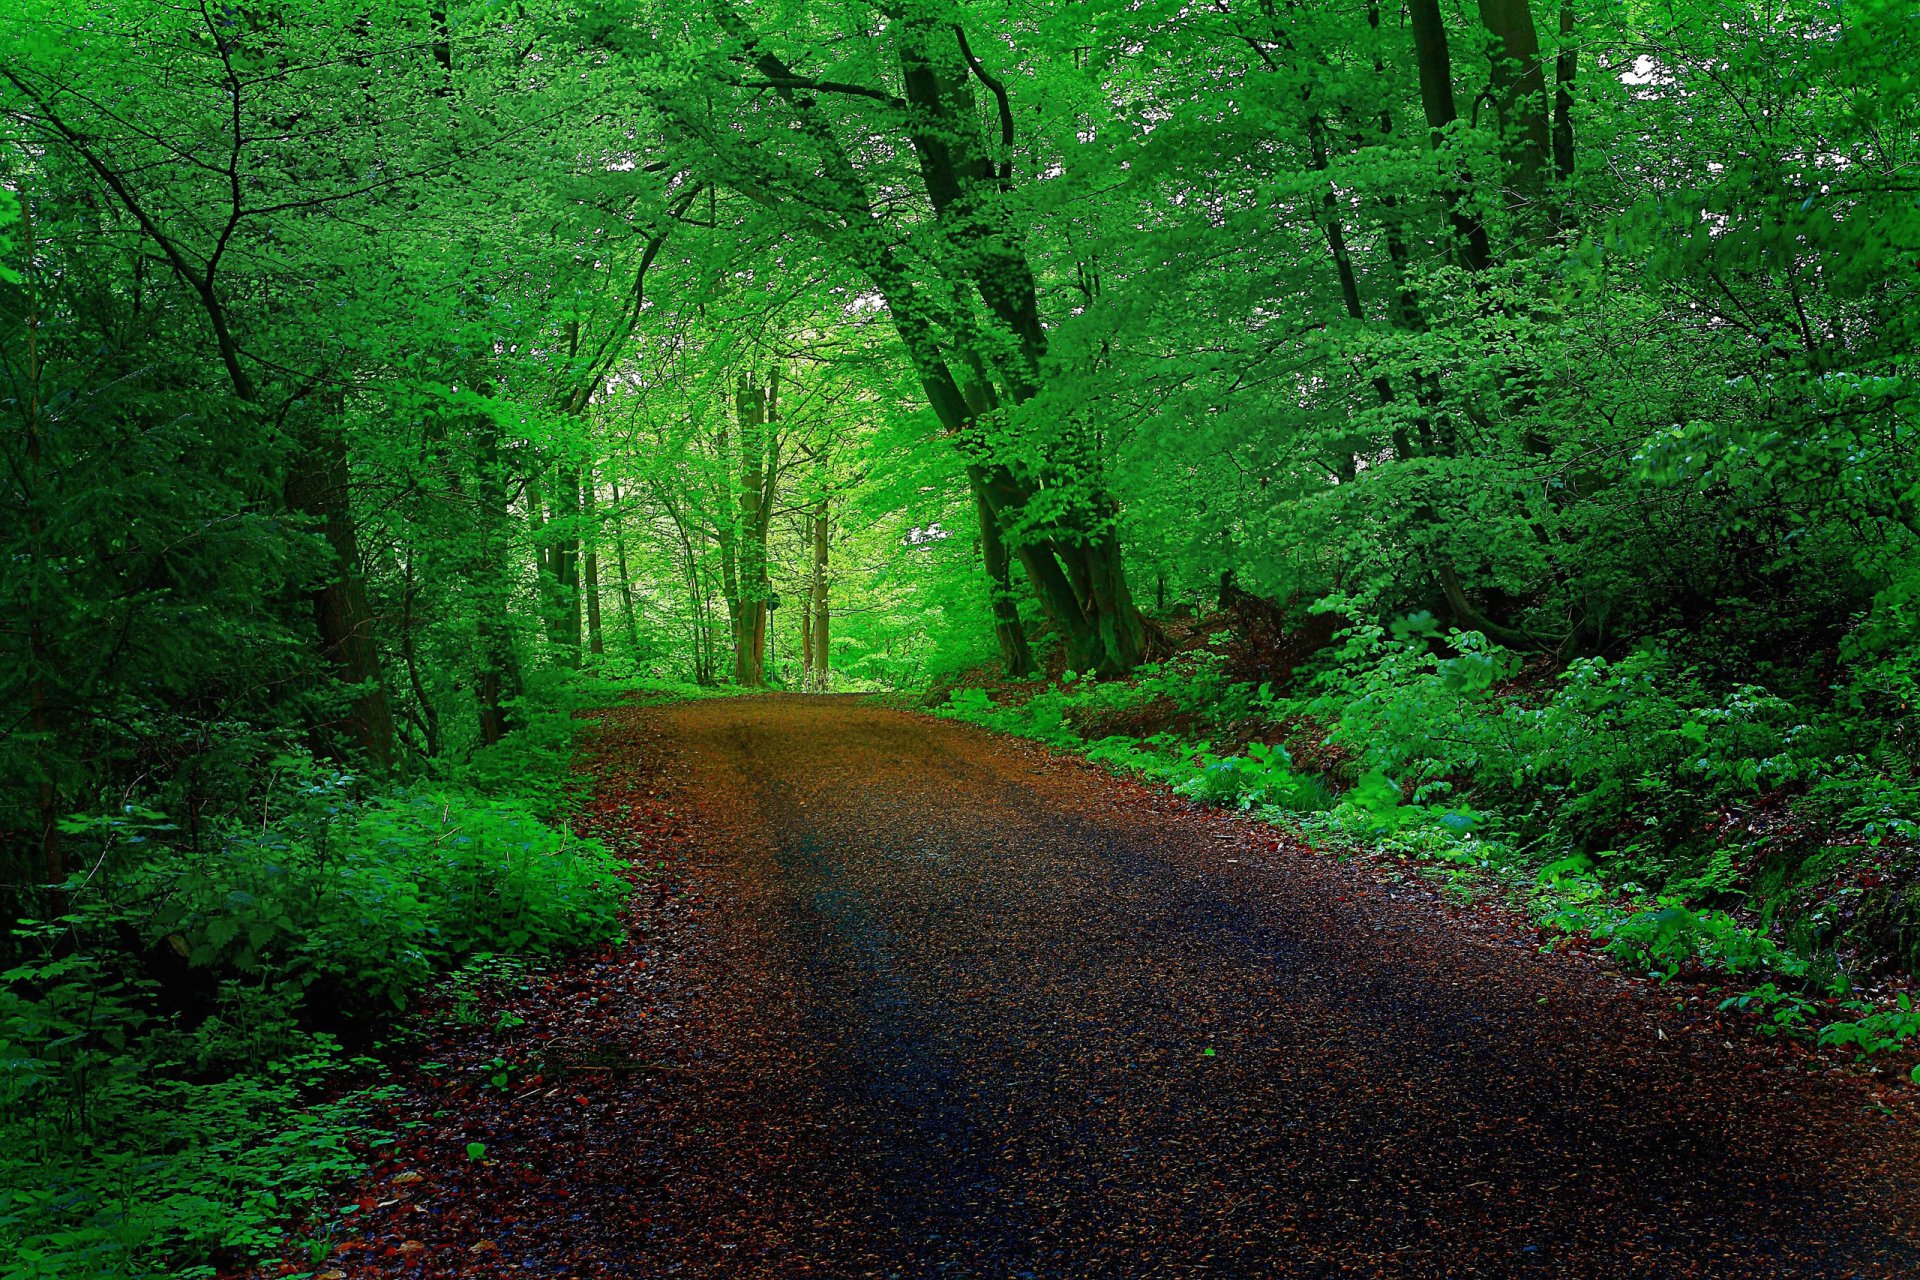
(499,667)
(39,652)
(1435,64)
(590,583)
(819,614)
(1016,655)
(1519,99)
(756,410)
(806,640)
(317,486)
(628,615)
(427,717)
(1564,66)
(557,561)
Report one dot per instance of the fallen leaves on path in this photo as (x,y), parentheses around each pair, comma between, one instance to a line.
(900,999)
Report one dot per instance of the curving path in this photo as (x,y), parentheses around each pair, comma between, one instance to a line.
(915,1001)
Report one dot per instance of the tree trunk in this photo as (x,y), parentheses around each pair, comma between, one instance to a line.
(1564,66)
(730,585)
(591,576)
(39,652)
(626,576)
(1519,98)
(499,667)
(427,717)
(756,408)
(317,486)
(564,516)
(556,531)
(590,584)
(819,633)
(806,641)
(1016,655)
(1435,65)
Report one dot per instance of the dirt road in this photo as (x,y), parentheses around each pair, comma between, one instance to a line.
(914,1001)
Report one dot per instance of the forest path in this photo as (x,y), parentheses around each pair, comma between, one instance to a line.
(912,1000)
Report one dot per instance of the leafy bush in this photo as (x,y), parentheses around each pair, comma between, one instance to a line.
(167,1097)
(1619,760)
(1876,1031)
(1261,778)
(365,899)
(133,1146)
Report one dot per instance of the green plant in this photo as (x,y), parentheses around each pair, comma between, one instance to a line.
(1876,1031)
(129,1148)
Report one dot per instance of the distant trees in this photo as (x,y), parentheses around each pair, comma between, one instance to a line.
(949,264)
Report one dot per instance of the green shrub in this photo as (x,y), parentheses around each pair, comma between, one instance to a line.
(1620,760)
(1262,778)
(166,1095)
(367,898)
(131,1145)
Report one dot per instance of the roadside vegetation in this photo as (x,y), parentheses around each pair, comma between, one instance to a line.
(1725,833)
(195,1031)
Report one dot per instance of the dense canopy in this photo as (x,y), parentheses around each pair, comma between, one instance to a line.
(514,336)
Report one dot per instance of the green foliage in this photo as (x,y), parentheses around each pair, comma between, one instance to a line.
(1261,776)
(131,1146)
(1877,1030)
(1669,937)
(363,900)
(167,1097)
(1619,760)
(1603,455)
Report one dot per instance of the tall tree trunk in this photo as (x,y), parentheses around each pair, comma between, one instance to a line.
(806,640)
(499,667)
(425,716)
(756,409)
(591,576)
(318,486)
(590,586)
(819,615)
(39,652)
(699,606)
(1519,99)
(557,560)
(1564,66)
(1082,584)
(627,613)
(730,584)
(565,518)
(1016,655)
(1435,64)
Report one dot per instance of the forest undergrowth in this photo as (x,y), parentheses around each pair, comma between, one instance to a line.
(1722,835)
(197,1029)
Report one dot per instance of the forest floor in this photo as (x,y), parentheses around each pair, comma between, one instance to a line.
(906,999)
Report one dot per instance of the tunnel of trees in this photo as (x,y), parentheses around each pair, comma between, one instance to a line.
(381,374)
